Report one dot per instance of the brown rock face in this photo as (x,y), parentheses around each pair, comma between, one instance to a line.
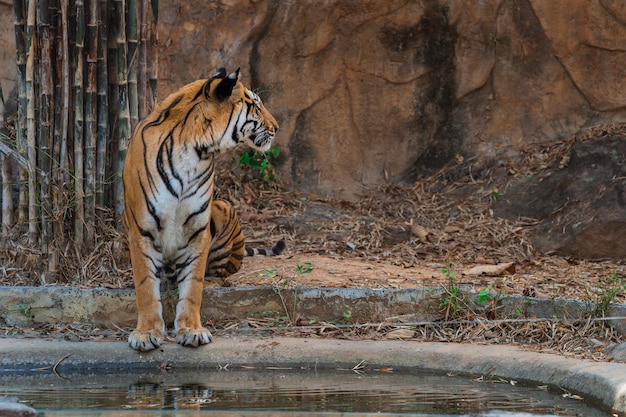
(369,92)
(579,209)
(8,69)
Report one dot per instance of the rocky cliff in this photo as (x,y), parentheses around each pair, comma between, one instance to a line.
(369,92)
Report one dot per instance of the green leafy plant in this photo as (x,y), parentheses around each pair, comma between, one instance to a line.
(452,301)
(262,164)
(282,287)
(305,268)
(25,310)
(483,296)
(347,314)
(269,273)
(616,287)
(448,271)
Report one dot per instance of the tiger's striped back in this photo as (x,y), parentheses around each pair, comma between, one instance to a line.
(227,241)
(228,244)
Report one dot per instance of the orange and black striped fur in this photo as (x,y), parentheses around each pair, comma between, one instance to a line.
(227,243)
(168,188)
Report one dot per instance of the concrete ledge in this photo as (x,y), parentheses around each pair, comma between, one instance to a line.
(602,383)
(104,308)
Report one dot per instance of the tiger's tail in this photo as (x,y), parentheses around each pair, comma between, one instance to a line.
(277,249)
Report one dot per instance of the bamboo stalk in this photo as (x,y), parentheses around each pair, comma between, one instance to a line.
(79,215)
(114,103)
(20,43)
(91,120)
(46,110)
(7,195)
(7,181)
(123,114)
(132,42)
(154,55)
(142,64)
(56,230)
(59,145)
(97,77)
(30,123)
(103,104)
(63,174)
(3,120)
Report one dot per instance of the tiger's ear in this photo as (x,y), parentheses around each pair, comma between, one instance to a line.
(225,88)
(221,73)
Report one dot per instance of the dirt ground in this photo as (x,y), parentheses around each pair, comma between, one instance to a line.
(437,233)
(403,237)
(551,278)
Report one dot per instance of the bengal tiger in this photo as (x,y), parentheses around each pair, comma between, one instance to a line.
(227,243)
(168,180)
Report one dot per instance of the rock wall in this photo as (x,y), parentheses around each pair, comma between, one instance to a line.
(8,70)
(368,92)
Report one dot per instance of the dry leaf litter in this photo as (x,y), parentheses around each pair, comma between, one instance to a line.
(439,232)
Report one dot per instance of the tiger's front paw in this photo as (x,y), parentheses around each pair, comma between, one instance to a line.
(193,337)
(144,341)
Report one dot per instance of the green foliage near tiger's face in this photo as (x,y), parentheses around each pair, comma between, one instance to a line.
(168,180)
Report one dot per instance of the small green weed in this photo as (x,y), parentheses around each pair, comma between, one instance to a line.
(305,268)
(25,310)
(484,295)
(347,314)
(268,274)
(453,300)
(448,271)
(285,290)
(606,297)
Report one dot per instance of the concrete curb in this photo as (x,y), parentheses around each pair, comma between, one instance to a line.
(104,308)
(598,382)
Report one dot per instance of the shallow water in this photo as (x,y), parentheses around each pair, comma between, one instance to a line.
(286,392)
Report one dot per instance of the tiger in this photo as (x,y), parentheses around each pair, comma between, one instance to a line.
(168,181)
(228,247)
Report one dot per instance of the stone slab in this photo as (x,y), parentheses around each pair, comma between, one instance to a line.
(114,309)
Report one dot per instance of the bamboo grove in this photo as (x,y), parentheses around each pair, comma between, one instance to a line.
(87,72)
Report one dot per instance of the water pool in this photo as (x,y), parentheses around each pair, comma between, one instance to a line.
(286,392)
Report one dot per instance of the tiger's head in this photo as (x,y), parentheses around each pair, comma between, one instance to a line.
(232,114)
